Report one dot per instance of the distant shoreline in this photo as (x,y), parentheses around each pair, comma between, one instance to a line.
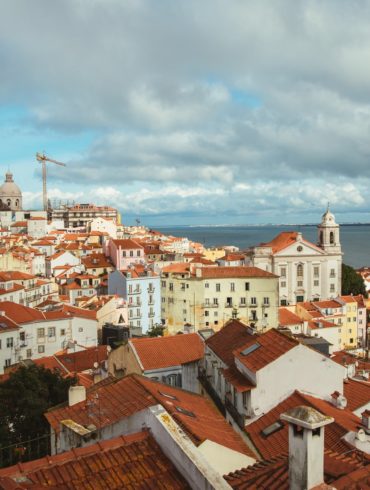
(272,225)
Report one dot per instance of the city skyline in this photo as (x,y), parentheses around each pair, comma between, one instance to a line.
(256,114)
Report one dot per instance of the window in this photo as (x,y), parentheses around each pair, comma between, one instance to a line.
(8,362)
(299,270)
(299,284)
(206,301)
(80,329)
(266,301)
(283,272)
(283,302)
(9,342)
(316,271)
(163,284)
(283,284)
(22,336)
(171,286)
(215,301)
(29,353)
(0,343)
(130,288)
(253,300)
(332,288)
(242,301)
(332,272)
(229,301)
(316,283)
(62,331)
(218,287)
(138,253)
(232,286)
(123,254)
(206,313)
(247,286)
(41,349)
(206,285)
(51,332)
(184,312)
(331,237)
(131,253)
(351,341)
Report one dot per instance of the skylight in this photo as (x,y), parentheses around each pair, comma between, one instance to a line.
(172,397)
(185,412)
(250,349)
(271,429)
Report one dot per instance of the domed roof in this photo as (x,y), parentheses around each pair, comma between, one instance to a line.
(328,217)
(9,188)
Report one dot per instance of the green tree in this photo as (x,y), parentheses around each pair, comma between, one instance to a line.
(156,331)
(352,283)
(24,398)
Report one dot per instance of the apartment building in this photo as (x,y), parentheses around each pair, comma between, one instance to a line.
(140,288)
(80,215)
(207,297)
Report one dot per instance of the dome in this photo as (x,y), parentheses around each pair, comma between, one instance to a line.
(328,218)
(9,188)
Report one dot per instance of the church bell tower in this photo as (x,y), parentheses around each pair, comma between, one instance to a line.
(329,233)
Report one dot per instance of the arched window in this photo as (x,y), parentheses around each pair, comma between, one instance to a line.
(17,203)
(8,202)
(332,237)
(321,237)
(299,270)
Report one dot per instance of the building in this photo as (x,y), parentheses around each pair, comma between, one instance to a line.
(10,193)
(307,272)
(140,289)
(173,360)
(124,253)
(194,298)
(80,215)
(28,333)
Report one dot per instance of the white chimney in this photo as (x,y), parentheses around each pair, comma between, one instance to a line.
(76,394)
(338,400)
(306,446)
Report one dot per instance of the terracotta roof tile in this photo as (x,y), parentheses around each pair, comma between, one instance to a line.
(265,348)
(287,317)
(229,272)
(134,461)
(284,240)
(233,335)
(357,393)
(174,350)
(127,244)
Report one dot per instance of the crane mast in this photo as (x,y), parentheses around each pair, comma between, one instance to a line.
(42,158)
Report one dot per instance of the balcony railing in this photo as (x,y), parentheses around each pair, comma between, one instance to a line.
(228,305)
(151,314)
(135,291)
(239,418)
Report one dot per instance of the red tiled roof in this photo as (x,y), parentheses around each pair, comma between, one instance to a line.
(236,379)
(84,359)
(179,268)
(357,393)
(95,261)
(127,244)
(287,317)
(134,461)
(174,350)
(276,443)
(270,346)
(274,474)
(327,304)
(342,357)
(207,423)
(21,314)
(237,271)
(121,398)
(233,335)
(284,240)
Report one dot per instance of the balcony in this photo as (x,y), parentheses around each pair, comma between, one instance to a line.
(253,305)
(228,305)
(266,305)
(151,302)
(151,314)
(135,316)
(151,290)
(134,305)
(238,418)
(135,291)
(210,305)
(242,305)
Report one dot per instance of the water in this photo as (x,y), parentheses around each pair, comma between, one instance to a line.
(354,238)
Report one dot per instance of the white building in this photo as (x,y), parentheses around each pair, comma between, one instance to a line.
(27,333)
(308,272)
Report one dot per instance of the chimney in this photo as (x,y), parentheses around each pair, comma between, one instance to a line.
(365,419)
(306,446)
(338,400)
(76,394)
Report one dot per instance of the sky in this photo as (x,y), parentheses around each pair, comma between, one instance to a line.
(190,112)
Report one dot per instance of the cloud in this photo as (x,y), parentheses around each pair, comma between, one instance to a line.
(264,102)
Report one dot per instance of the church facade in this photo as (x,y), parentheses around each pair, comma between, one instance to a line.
(10,194)
(307,272)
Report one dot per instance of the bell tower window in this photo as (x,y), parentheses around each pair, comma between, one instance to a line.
(331,238)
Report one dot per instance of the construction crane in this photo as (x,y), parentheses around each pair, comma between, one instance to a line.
(42,158)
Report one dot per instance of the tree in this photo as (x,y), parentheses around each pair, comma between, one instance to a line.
(156,330)
(24,398)
(352,283)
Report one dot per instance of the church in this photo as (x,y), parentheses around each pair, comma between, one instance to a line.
(10,194)
(307,271)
